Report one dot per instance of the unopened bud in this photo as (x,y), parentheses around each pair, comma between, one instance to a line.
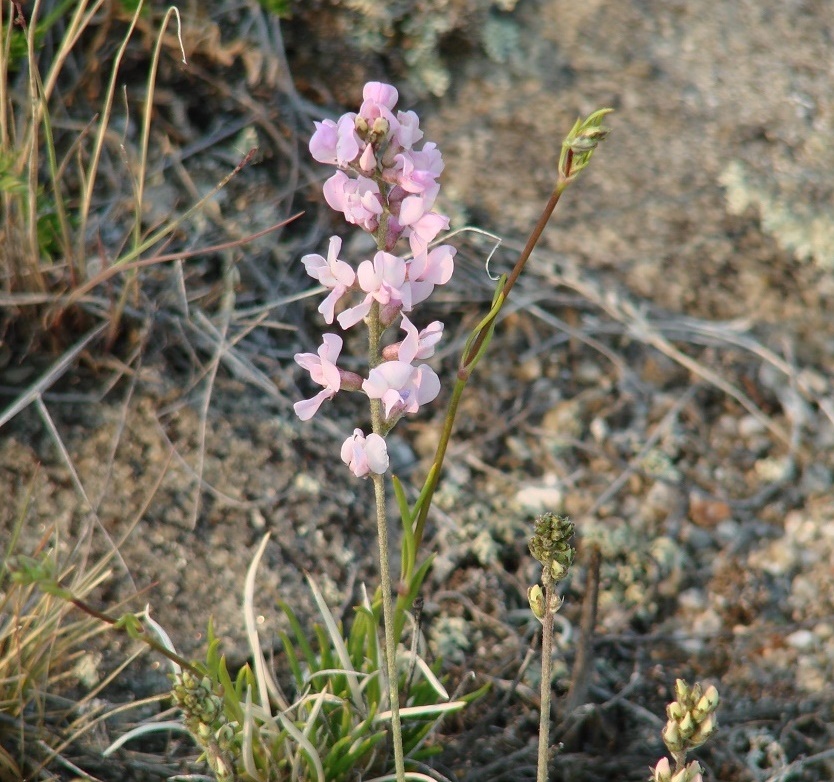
(662,772)
(681,691)
(707,704)
(704,731)
(675,711)
(381,126)
(692,773)
(687,726)
(535,597)
(672,737)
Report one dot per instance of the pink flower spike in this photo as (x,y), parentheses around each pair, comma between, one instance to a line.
(365,455)
(323,370)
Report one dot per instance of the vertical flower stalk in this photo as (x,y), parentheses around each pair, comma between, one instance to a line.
(551,546)
(385,186)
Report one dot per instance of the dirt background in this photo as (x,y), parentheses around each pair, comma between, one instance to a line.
(664,376)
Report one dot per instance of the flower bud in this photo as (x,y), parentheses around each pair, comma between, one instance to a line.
(686,726)
(704,731)
(674,711)
(535,597)
(692,773)
(707,704)
(672,737)
(380,126)
(662,771)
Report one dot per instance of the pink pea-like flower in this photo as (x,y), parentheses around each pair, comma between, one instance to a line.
(420,223)
(334,274)
(408,133)
(417,172)
(323,370)
(335,142)
(358,199)
(365,455)
(416,345)
(401,387)
(378,101)
(383,280)
(429,268)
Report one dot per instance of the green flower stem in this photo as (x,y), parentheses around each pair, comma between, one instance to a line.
(547,666)
(388,621)
(469,359)
(377,424)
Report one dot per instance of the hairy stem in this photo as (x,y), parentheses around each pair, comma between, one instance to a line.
(547,663)
(388,621)
(374,335)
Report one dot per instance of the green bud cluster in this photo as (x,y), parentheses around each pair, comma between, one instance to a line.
(551,546)
(691,717)
(206,720)
(581,142)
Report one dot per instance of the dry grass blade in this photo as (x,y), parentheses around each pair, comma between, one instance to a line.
(266,681)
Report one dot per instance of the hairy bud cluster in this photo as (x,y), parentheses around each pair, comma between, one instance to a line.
(691,717)
(690,722)
(551,546)
(206,720)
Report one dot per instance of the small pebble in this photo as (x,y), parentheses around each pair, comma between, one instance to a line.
(803,640)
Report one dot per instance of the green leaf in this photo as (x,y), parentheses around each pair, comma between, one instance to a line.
(292,660)
(300,635)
